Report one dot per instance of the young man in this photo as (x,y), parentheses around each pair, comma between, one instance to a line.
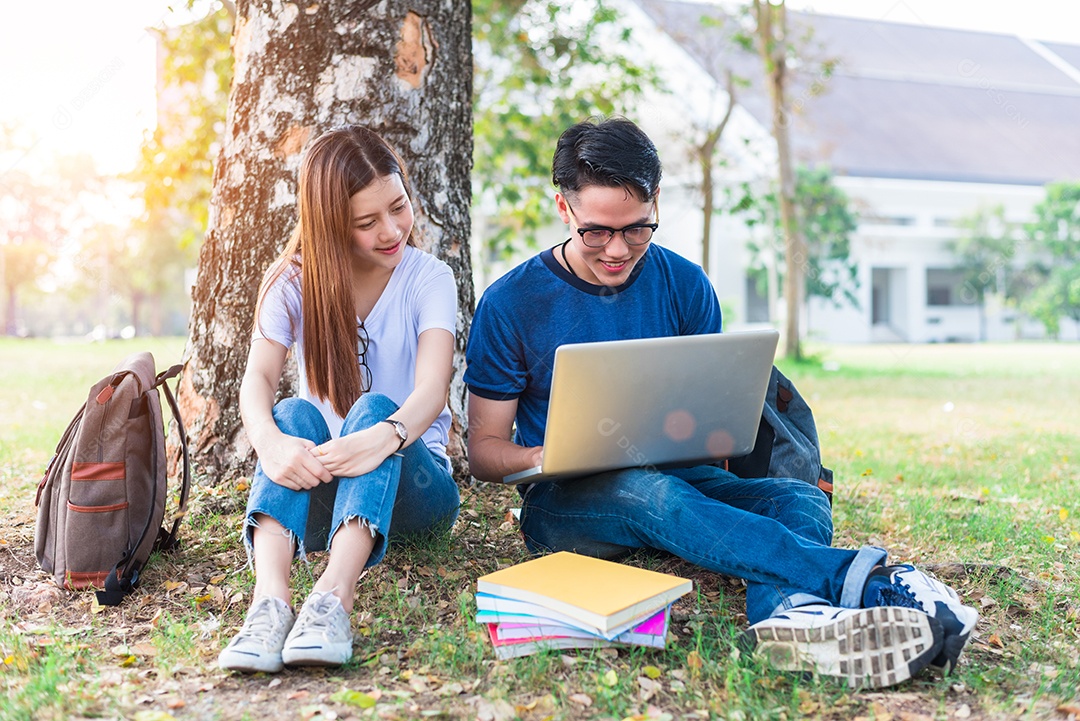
(811,607)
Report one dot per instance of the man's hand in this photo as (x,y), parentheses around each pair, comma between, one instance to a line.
(536,456)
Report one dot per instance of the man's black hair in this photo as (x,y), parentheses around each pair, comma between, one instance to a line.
(611,153)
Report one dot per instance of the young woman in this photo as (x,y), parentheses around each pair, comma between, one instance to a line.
(360,455)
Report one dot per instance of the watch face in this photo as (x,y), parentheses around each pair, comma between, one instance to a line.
(400,429)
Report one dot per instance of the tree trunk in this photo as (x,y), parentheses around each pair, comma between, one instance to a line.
(772,44)
(705,158)
(706,153)
(404,69)
(136,311)
(11,312)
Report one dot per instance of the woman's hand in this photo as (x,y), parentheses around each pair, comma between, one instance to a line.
(289,462)
(358,453)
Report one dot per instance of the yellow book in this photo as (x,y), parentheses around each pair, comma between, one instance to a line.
(603,594)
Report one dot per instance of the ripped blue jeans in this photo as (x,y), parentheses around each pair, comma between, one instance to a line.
(409,493)
(773,532)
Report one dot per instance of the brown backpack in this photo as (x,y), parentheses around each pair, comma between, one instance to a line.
(101,502)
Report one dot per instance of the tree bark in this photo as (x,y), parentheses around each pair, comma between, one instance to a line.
(773,45)
(705,153)
(404,69)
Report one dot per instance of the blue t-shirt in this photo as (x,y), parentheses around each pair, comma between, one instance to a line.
(538,306)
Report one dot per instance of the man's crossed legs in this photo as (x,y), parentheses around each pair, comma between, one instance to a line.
(811,607)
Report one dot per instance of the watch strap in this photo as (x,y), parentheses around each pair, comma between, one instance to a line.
(400,430)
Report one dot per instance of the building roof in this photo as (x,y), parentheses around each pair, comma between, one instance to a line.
(908,101)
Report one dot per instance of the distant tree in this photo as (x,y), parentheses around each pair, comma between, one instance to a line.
(775,46)
(1056,234)
(823,213)
(403,68)
(31,205)
(540,66)
(984,253)
(176,161)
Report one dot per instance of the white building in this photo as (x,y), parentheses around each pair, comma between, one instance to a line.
(922,126)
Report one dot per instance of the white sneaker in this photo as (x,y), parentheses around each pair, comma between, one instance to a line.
(907,586)
(322,635)
(258,645)
(869,647)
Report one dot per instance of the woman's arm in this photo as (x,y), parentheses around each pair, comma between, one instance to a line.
(492,455)
(363,451)
(287,460)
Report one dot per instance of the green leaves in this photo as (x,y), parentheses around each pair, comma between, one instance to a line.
(540,66)
(353,698)
(827,222)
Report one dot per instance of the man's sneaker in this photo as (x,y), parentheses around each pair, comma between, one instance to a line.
(908,587)
(867,647)
(258,645)
(322,635)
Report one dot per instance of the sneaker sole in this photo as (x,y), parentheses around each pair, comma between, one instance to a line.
(955,641)
(246,663)
(873,648)
(950,653)
(328,655)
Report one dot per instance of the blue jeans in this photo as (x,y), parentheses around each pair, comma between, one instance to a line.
(773,532)
(408,493)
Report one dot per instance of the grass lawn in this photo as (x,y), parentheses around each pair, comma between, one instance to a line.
(962,458)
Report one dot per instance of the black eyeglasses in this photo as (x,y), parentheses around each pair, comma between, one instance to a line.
(598,236)
(362,343)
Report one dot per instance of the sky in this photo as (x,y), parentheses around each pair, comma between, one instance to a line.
(82,78)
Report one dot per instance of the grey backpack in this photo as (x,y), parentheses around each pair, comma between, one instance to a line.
(101,502)
(787,441)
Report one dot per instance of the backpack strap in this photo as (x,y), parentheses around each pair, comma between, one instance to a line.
(168,540)
(118,585)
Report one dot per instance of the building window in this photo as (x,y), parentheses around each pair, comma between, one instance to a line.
(938,296)
(757,305)
(945,287)
(898,220)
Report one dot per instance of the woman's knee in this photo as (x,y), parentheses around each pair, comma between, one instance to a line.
(370,408)
(300,417)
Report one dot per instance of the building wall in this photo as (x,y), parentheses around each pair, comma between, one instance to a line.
(903,235)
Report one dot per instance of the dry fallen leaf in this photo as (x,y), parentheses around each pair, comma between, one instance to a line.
(693,662)
(911,716)
(647,688)
(580,698)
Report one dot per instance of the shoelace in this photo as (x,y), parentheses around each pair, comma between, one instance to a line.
(318,617)
(898,594)
(259,625)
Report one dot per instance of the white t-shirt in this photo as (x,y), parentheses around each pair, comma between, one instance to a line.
(420,295)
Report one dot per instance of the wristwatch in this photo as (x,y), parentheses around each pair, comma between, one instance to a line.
(401,430)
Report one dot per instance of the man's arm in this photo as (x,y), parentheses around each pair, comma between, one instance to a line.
(492,454)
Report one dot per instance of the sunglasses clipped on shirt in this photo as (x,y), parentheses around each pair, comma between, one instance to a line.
(597,236)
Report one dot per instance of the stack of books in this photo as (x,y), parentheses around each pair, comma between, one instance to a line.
(565,600)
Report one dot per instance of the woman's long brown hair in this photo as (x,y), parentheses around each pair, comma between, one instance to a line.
(338,165)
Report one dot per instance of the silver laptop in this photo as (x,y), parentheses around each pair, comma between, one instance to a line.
(653,402)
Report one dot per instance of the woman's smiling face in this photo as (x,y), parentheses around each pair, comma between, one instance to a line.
(382,219)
